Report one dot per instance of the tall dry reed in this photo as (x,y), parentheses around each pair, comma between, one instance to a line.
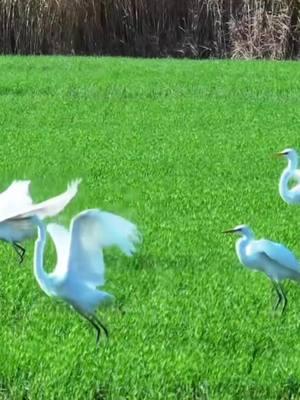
(151,28)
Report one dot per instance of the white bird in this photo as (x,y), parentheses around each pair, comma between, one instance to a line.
(80,264)
(16,205)
(274,259)
(290,195)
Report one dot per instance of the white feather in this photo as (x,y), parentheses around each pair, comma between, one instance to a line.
(277,253)
(50,207)
(80,265)
(17,230)
(90,232)
(61,238)
(114,230)
(15,198)
(12,226)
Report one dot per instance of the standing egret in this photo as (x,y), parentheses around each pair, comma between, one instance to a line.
(16,201)
(80,263)
(274,259)
(290,195)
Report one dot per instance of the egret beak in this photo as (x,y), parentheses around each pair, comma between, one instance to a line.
(229,231)
(280,154)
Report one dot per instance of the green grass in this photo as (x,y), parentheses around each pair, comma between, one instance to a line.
(184,149)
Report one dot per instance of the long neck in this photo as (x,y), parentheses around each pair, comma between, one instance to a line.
(240,247)
(38,265)
(286,175)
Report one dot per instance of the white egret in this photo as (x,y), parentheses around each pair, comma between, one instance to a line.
(80,263)
(290,195)
(274,259)
(16,201)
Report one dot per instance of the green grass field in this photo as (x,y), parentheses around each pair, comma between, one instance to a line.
(184,149)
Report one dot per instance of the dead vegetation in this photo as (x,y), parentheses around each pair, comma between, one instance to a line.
(151,28)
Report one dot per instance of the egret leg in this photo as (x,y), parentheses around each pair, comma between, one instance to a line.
(19,250)
(96,324)
(98,330)
(101,325)
(279,295)
(283,297)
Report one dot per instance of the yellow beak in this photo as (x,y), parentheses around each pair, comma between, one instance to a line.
(229,231)
(280,154)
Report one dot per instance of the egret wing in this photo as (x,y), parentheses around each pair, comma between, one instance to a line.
(117,231)
(86,257)
(61,238)
(296,175)
(275,251)
(15,198)
(47,208)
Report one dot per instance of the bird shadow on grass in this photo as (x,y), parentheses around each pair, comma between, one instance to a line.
(243,390)
(101,393)
(197,389)
(290,389)
(4,389)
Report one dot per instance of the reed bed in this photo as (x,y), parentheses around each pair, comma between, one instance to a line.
(151,28)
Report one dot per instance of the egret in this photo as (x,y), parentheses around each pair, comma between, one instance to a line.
(80,264)
(274,259)
(16,205)
(290,195)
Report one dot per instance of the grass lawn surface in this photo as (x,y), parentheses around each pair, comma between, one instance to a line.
(183,149)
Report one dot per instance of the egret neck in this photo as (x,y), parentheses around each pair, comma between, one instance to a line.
(38,264)
(242,243)
(287,174)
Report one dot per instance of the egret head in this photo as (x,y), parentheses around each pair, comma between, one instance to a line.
(290,154)
(241,230)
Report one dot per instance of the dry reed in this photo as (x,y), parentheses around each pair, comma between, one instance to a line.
(151,28)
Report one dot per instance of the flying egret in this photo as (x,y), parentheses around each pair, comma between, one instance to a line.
(274,259)
(80,263)
(16,201)
(290,195)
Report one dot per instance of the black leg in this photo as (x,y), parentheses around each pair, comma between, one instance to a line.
(96,324)
(100,324)
(20,251)
(283,297)
(98,330)
(279,296)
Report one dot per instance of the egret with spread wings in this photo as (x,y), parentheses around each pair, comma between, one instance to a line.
(80,264)
(16,208)
(274,259)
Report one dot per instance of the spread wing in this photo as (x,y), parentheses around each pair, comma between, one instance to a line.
(86,257)
(296,175)
(276,252)
(90,232)
(15,198)
(47,208)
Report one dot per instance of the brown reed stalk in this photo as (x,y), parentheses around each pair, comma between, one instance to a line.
(263,30)
(151,28)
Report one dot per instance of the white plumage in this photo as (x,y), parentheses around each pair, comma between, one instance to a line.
(16,208)
(15,198)
(274,259)
(80,264)
(290,195)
